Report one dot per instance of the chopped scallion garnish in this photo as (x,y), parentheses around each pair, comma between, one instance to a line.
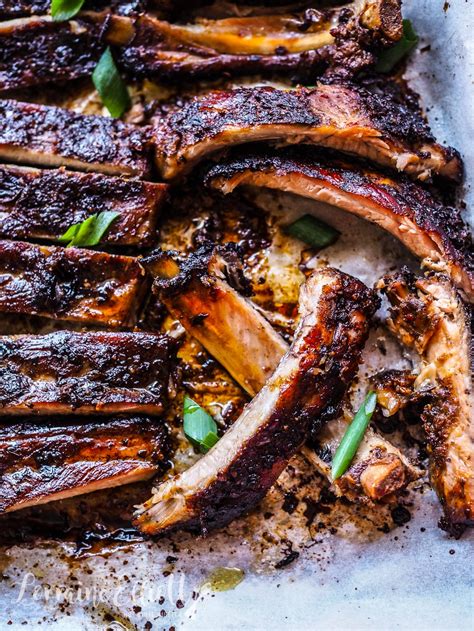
(199,426)
(353,437)
(62,10)
(312,231)
(390,57)
(110,85)
(90,231)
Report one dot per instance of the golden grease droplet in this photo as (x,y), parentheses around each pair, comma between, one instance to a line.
(224,578)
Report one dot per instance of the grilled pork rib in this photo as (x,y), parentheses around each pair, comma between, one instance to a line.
(37,50)
(43,204)
(429,315)
(342,117)
(83,373)
(65,458)
(70,284)
(314,374)
(302,45)
(53,137)
(233,332)
(429,230)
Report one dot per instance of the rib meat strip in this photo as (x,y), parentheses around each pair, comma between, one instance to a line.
(43,204)
(83,373)
(428,314)
(301,45)
(431,231)
(234,332)
(343,117)
(70,284)
(53,137)
(238,471)
(68,457)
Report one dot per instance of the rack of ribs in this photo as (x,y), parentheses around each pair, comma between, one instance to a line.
(63,458)
(335,310)
(70,284)
(84,373)
(431,231)
(43,204)
(429,315)
(53,137)
(227,324)
(337,116)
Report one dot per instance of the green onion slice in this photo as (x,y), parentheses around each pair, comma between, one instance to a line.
(312,231)
(90,231)
(353,436)
(62,10)
(199,427)
(110,85)
(390,57)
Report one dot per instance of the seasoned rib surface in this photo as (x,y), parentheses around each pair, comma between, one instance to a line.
(409,212)
(82,373)
(70,283)
(238,471)
(238,336)
(301,45)
(37,51)
(52,136)
(69,457)
(428,314)
(43,204)
(342,117)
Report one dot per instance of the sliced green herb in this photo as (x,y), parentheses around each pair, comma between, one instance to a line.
(199,426)
(90,231)
(62,10)
(110,85)
(390,57)
(353,437)
(312,231)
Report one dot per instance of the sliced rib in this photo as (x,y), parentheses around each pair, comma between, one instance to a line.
(43,204)
(428,314)
(234,332)
(70,284)
(82,373)
(342,117)
(314,374)
(36,51)
(53,137)
(65,458)
(302,45)
(409,212)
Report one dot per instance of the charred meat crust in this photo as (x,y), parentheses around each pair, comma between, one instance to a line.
(38,51)
(429,315)
(70,284)
(52,136)
(43,204)
(407,210)
(10,9)
(65,372)
(335,38)
(337,116)
(68,457)
(227,325)
(234,476)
